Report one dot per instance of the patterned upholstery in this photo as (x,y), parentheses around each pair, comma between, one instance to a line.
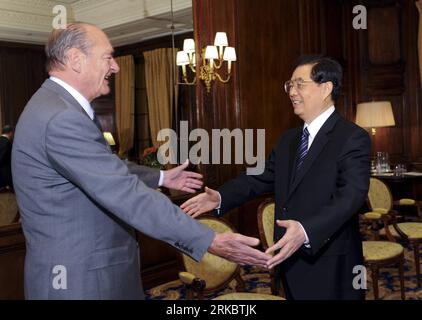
(372,215)
(379,195)
(412,229)
(213,269)
(8,208)
(247,296)
(380,210)
(380,250)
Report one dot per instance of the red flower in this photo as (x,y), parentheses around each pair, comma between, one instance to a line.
(150,150)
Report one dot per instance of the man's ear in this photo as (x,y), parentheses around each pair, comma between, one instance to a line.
(328,89)
(75,59)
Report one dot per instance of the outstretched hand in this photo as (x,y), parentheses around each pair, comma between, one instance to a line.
(419,5)
(239,249)
(179,179)
(204,202)
(288,244)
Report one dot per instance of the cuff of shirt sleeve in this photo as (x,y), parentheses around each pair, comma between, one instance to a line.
(217,210)
(306,242)
(160,182)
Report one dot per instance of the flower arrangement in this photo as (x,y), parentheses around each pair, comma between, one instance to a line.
(150,158)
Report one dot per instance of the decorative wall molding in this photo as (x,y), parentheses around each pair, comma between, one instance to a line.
(125,21)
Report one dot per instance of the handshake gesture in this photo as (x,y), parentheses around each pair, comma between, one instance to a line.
(239,248)
(232,246)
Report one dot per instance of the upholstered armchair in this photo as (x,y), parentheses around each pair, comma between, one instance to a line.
(380,199)
(378,254)
(213,273)
(8,207)
(381,202)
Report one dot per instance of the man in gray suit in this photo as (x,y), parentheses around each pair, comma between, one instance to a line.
(79,202)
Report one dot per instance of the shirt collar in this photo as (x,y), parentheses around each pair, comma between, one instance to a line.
(319,121)
(75,94)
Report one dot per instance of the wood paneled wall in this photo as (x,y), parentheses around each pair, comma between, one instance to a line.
(22,71)
(12,256)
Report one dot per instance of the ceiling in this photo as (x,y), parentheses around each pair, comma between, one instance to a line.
(125,21)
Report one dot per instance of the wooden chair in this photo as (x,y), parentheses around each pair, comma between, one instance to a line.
(378,254)
(381,202)
(213,273)
(266,217)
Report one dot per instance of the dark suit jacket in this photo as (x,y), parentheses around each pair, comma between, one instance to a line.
(324,196)
(5,165)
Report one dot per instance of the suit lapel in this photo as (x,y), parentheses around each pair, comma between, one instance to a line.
(316,148)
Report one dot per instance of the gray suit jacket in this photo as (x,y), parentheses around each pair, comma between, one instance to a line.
(79,202)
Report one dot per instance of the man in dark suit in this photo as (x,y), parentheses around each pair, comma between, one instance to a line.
(320,176)
(6,139)
(79,202)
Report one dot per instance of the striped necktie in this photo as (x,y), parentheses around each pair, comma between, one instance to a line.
(97,122)
(303,148)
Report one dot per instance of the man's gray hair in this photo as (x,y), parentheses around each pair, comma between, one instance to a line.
(62,40)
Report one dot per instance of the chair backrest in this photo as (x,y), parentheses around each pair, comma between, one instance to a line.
(8,207)
(217,272)
(379,195)
(266,216)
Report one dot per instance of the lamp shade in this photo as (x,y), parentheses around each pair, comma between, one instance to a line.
(211,52)
(182,58)
(189,45)
(229,54)
(109,138)
(375,114)
(221,39)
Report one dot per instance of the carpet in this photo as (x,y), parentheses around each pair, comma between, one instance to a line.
(258,280)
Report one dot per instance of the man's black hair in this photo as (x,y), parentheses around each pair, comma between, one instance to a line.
(324,69)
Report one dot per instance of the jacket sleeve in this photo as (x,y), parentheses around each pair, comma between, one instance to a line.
(76,150)
(149,176)
(352,188)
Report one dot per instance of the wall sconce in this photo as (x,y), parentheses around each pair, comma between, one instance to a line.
(212,60)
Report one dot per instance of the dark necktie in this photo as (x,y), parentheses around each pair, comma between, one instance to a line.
(303,148)
(97,123)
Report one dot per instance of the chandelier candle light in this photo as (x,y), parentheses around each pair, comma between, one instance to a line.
(212,60)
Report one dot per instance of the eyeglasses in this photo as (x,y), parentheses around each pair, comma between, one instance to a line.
(299,84)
